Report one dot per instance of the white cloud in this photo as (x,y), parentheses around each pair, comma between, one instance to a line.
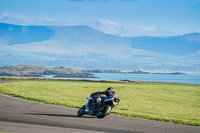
(107,22)
(144,28)
(106,26)
(20,19)
(111,27)
(47,19)
(12,15)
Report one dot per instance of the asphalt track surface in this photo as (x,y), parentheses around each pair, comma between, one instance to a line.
(21,116)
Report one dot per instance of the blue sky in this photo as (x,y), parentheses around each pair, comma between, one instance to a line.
(118,17)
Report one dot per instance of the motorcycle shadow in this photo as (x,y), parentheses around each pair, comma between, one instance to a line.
(60,115)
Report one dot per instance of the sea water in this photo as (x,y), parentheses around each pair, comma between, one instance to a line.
(192,78)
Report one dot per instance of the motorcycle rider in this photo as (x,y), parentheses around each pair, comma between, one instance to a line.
(109,92)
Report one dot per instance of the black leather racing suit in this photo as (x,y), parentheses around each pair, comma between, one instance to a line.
(107,93)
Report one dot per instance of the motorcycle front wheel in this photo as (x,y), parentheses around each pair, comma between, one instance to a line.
(104,112)
(81,111)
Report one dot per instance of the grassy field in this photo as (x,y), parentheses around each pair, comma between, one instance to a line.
(176,103)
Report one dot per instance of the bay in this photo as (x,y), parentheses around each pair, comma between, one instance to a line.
(192,78)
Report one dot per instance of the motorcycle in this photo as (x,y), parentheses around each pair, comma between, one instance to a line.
(98,106)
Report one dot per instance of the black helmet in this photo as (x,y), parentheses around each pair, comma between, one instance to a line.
(110,89)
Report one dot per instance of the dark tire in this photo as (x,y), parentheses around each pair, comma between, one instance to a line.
(104,113)
(81,111)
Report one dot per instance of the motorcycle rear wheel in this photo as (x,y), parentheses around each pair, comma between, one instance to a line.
(104,113)
(81,111)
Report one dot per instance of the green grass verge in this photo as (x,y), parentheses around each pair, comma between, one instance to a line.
(176,103)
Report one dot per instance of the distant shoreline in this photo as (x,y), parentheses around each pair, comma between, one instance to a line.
(4,79)
(63,72)
(133,72)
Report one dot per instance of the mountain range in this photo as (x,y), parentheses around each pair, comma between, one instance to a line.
(85,47)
